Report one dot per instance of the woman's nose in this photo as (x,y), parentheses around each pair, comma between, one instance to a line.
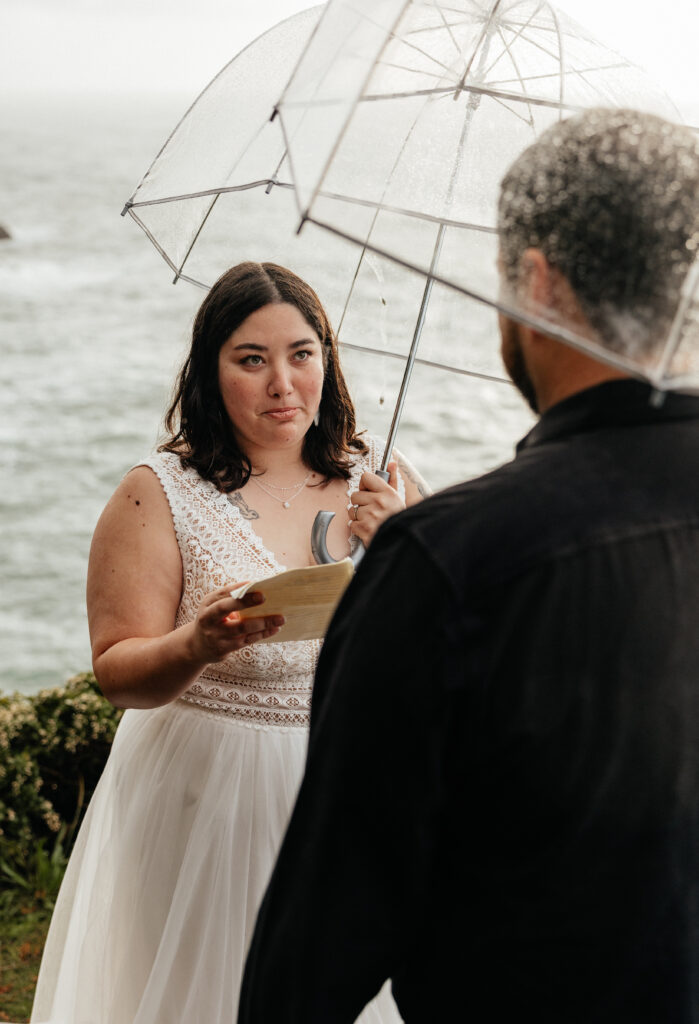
(280,381)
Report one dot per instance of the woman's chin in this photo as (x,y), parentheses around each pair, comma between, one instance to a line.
(286,433)
(269,433)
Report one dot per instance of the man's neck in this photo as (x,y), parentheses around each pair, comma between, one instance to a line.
(572,373)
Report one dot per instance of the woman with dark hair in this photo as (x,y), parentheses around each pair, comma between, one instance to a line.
(157,907)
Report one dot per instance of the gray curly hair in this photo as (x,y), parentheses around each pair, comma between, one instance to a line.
(611,198)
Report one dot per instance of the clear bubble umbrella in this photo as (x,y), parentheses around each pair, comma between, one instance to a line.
(387,125)
(402,117)
(220,191)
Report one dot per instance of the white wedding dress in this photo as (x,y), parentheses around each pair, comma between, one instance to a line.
(159,901)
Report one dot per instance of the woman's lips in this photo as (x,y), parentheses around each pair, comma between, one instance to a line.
(282,414)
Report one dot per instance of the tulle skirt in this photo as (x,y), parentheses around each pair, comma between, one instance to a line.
(158,905)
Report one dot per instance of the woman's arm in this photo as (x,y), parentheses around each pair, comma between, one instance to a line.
(415,486)
(134,585)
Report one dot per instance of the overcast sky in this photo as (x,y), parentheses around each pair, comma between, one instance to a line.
(148,46)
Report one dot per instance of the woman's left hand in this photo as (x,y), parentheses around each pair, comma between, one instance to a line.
(374,502)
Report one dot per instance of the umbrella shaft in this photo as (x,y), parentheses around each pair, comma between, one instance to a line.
(435,257)
(407,373)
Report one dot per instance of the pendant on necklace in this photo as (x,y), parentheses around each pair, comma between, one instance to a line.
(286,504)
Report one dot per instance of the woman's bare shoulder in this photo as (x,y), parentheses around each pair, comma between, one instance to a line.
(138,503)
(134,577)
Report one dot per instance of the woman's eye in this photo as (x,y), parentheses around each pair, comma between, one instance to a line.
(252,360)
(302,355)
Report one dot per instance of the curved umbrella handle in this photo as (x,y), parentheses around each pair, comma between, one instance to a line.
(319,546)
(323,520)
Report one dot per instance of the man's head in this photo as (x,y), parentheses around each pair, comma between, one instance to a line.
(607,204)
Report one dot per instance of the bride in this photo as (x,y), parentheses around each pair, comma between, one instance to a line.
(161,893)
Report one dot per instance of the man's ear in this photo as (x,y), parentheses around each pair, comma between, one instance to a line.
(535,279)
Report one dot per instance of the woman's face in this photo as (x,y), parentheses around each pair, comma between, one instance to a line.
(270,374)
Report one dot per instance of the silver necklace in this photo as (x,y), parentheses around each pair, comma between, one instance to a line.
(289,487)
(284,502)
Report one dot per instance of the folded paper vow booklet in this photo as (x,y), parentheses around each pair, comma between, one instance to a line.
(305,597)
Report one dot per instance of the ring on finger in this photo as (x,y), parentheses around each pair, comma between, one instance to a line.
(355,509)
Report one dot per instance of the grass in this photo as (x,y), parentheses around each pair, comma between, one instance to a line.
(23,926)
(26,904)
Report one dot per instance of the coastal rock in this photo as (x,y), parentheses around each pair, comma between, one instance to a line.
(4,233)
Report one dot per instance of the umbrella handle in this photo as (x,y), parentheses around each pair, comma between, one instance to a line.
(319,546)
(319,533)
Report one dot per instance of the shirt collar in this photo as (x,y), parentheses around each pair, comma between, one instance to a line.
(613,403)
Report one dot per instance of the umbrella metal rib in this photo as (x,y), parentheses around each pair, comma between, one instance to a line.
(420,361)
(376,204)
(689,293)
(485,37)
(555,331)
(518,34)
(479,90)
(178,273)
(206,192)
(407,374)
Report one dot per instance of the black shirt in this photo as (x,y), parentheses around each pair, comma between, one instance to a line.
(500,806)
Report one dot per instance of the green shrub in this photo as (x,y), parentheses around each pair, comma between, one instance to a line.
(33,889)
(53,747)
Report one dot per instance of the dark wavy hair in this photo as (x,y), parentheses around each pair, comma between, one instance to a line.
(200,430)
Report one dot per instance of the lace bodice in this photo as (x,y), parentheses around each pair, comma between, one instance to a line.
(264,683)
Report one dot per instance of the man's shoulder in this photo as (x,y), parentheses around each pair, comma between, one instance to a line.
(464,527)
(567,494)
(475,504)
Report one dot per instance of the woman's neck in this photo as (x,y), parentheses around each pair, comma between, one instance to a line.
(280,466)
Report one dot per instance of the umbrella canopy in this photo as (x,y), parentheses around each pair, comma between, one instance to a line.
(397,121)
(191,202)
(403,115)
(220,191)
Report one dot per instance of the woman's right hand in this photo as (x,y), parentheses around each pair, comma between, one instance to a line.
(219,630)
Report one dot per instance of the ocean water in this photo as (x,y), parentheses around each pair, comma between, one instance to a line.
(91,336)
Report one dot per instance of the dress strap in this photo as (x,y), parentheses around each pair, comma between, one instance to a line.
(178,483)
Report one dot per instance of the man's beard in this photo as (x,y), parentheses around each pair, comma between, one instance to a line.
(513,360)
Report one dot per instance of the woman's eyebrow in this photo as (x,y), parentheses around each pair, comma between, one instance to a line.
(263,348)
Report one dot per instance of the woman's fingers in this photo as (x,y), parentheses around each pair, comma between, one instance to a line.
(227,605)
(222,631)
(374,502)
(270,626)
(377,493)
(372,482)
(372,487)
(232,633)
(246,628)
